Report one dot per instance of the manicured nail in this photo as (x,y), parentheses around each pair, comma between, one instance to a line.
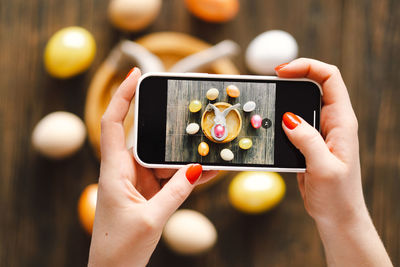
(278,68)
(193,173)
(130,72)
(290,120)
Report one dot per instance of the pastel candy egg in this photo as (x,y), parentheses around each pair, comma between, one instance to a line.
(203,149)
(232,91)
(227,154)
(219,131)
(256,121)
(212,94)
(192,128)
(245,143)
(195,106)
(249,106)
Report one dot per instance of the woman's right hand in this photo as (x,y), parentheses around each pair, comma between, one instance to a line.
(331,186)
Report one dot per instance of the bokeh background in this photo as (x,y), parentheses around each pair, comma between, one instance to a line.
(39,225)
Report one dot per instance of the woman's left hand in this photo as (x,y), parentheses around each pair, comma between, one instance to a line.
(133,204)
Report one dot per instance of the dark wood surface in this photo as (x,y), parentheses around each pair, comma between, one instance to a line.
(38,197)
(183,148)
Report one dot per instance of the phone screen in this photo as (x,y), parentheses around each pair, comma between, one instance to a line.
(250,128)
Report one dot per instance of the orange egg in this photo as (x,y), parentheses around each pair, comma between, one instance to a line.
(203,149)
(232,91)
(213,10)
(87,207)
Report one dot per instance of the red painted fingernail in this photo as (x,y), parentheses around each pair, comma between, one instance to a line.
(290,120)
(130,72)
(278,68)
(193,173)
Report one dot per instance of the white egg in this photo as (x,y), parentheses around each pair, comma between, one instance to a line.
(212,94)
(227,154)
(249,106)
(192,128)
(189,232)
(269,50)
(59,134)
(133,15)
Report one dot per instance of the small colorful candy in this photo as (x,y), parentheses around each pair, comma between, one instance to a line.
(249,106)
(232,91)
(192,128)
(227,154)
(195,106)
(245,143)
(212,94)
(256,121)
(203,149)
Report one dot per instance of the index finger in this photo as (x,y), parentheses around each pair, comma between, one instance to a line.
(112,129)
(328,76)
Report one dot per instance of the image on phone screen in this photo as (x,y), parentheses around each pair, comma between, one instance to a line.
(240,131)
(238,127)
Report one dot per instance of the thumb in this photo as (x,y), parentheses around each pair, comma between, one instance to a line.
(178,188)
(308,140)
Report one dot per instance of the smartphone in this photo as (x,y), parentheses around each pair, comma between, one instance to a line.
(247,136)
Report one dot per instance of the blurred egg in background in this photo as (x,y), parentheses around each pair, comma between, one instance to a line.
(87,207)
(270,49)
(213,10)
(59,135)
(189,232)
(69,52)
(256,192)
(133,15)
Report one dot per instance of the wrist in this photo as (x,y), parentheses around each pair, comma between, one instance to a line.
(352,227)
(348,219)
(354,242)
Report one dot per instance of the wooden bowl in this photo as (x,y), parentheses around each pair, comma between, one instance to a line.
(170,47)
(233,122)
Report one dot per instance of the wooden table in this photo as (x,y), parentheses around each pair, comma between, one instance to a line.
(38,197)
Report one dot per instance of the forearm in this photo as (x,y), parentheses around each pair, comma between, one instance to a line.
(353,244)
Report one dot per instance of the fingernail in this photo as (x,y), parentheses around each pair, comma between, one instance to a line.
(278,68)
(290,120)
(193,173)
(130,72)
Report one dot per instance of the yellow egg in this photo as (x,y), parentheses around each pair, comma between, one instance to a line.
(245,143)
(203,149)
(69,52)
(195,106)
(233,91)
(256,192)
